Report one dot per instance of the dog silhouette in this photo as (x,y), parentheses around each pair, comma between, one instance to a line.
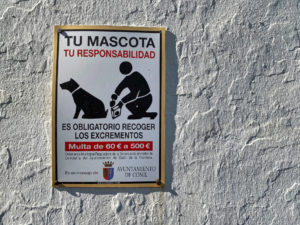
(89,104)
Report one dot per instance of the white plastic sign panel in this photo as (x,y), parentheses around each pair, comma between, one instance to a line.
(108,106)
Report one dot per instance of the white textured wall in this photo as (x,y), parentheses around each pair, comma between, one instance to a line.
(232,112)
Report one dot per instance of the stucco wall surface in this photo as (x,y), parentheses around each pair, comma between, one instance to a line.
(232,114)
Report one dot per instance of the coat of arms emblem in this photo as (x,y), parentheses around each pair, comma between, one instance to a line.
(108,171)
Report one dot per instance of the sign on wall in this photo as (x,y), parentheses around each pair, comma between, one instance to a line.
(108,106)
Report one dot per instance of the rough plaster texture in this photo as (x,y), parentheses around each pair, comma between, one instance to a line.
(232,112)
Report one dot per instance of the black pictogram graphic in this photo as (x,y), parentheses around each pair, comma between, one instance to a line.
(138,100)
(90,105)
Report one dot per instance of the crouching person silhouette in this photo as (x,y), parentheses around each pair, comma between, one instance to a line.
(139,99)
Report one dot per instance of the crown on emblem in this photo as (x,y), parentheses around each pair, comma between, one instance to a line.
(108,164)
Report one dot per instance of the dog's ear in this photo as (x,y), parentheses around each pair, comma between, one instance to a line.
(74,82)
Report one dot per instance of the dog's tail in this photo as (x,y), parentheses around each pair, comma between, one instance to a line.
(102,115)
